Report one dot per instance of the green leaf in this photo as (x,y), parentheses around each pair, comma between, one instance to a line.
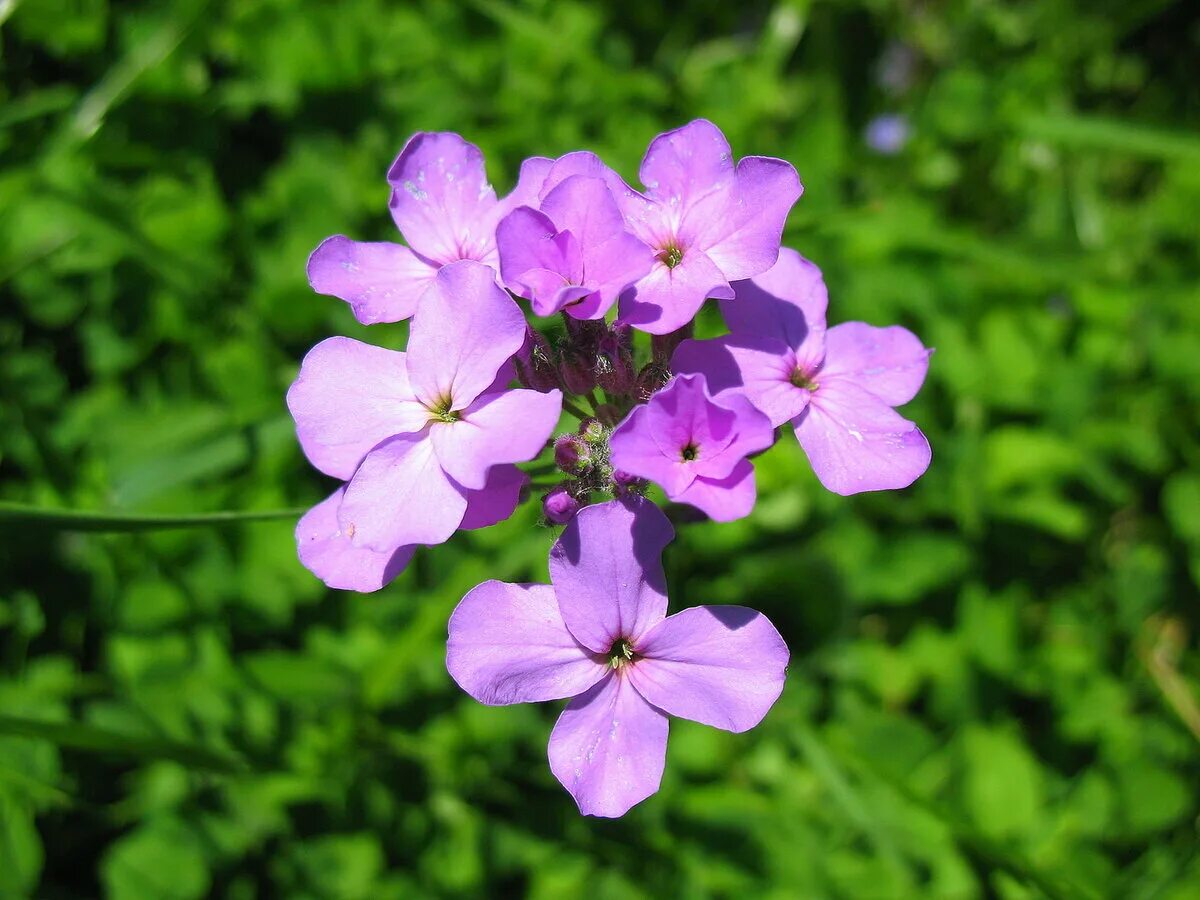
(93,520)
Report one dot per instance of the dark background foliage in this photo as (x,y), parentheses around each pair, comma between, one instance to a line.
(994,680)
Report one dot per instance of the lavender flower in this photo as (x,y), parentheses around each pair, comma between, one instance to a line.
(695,447)
(599,634)
(887,134)
(836,387)
(447,211)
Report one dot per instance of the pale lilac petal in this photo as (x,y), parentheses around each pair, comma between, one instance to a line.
(723,499)
(536,260)
(496,500)
(787,302)
(636,448)
(856,442)
(326,551)
(889,362)
(530,179)
(399,496)
(720,665)
(741,231)
(683,166)
(348,397)
(607,571)
(609,748)
(752,433)
(508,644)
(382,282)
(668,298)
(497,428)
(466,328)
(758,367)
(441,199)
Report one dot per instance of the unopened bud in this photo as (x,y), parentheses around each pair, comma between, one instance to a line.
(575,370)
(662,346)
(534,362)
(572,454)
(614,361)
(591,429)
(652,377)
(559,506)
(624,483)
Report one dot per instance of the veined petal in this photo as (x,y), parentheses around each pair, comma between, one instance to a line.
(889,362)
(496,500)
(441,199)
(536,258)
(787,302)
(400,496)
(508,644)
(466,328)
(684,166)
(382,282)
(668,298)
(497,428)
(328,553)
(723,666)
(723,499)
(759,368)
(348,397)
(856,442)
(609,748)
(607,572)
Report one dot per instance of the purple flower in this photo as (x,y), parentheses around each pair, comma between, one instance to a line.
(707,220)
(600,635)
(328,552)
(572,252)
(414,433)
(836,387)
(887,134)
(695,447)
(446,210)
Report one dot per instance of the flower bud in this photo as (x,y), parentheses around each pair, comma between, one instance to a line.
(575,370)
(559,506)
(624,483)
(534,362)
(652,377)
(614,361)
(591,429)
(572,454)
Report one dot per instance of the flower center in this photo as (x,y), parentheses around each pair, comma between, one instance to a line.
(689,453)
(621,653)
(442,412)
(671,256)
(802,379)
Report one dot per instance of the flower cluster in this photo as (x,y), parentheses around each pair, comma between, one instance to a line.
(432,439)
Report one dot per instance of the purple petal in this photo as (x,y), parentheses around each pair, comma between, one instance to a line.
(466,328)
(348,397)
(760,368)
(668,298)
(607,571)
(382,282)
(637,448)
(889,362)
(530,179)
(742,234)
(683,166)
(326,551)
(720,665)
(441,198)
(399,496)
(609,748)
(856,442)
(495,501)
(787,302)
(536,260)
(723,499)
(508,644)
(497,428)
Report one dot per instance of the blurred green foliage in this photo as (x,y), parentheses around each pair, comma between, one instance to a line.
(994,689)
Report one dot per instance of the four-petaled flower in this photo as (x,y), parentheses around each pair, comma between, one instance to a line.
(599,634)
(572,252)
(416,432)
(837,387)
(695,447)
(447,211)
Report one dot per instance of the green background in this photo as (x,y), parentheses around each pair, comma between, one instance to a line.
(994,686)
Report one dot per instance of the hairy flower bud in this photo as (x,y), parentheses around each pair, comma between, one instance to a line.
(663,345)
(652,377)
(572,454)
(534,362)
(614,361)
(575,370)
(559,506)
